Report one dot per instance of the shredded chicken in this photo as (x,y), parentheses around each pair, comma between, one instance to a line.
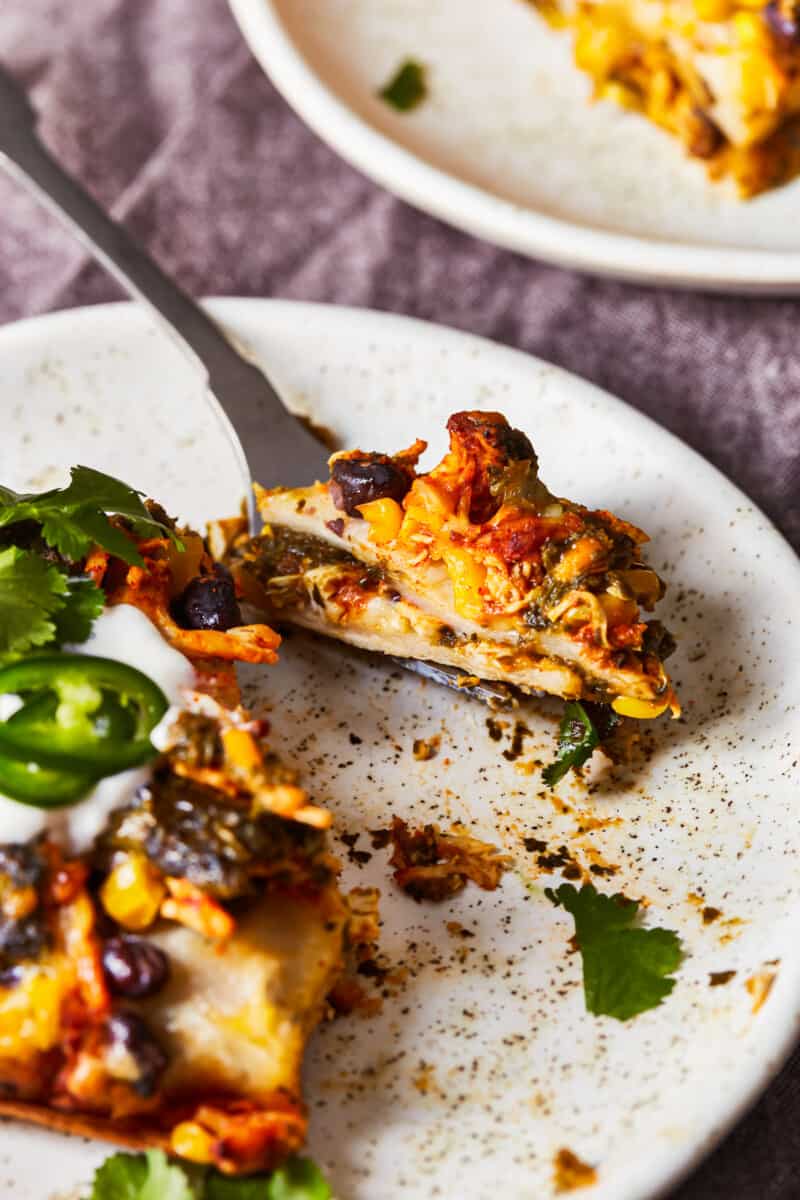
(431,865)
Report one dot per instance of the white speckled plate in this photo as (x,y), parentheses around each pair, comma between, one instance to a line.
(483,1062)
(508,147)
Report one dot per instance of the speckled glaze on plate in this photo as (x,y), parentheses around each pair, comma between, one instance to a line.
(483,1063)
(508,147)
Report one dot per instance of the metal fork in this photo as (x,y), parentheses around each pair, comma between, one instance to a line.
(279,447)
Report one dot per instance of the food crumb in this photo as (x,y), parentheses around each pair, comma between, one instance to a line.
(456,929)
(347,996)
(521,731)
(759,986)
(710,914)
(717,978)
(571,1173)
(431,865)
(604,869)
(425,1079)
(425,748)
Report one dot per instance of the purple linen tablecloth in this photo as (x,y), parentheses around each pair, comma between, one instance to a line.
(159,108)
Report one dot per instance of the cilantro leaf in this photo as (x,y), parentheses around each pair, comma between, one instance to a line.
(31,592)
(121,1177)
(583,728)
(74,518)
(577,741)
(147,1176)
(82,605)
(152,1176)
(297,1179)
(626,969)
(224,1187)
(407,88)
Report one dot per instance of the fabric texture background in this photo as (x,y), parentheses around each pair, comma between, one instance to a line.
(159,108)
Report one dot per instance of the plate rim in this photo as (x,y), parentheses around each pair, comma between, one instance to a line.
(476,211)
(783,1033)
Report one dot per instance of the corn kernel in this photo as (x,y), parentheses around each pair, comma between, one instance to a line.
(619,611)
(750,29)
(619,94)
(30,1014)
(241,749)
(385,517)
(761,83)
(712,10)
(19,902)
(642,710)
(662,88)
(467,578)
(189,1140)
(600,48)
(132,893)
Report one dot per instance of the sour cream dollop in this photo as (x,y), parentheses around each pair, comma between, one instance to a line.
(128,636)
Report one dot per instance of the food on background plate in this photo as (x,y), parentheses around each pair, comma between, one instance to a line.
(170,922)
(475,564)
(721,76)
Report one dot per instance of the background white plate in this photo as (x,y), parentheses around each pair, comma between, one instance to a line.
(484,1062)
(508,147)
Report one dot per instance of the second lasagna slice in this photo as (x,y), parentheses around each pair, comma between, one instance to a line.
(474,564)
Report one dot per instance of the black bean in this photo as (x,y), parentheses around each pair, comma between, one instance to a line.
(127,1030)
(134,967)
(357,481)
(783,19)
(209,602)
(515,444)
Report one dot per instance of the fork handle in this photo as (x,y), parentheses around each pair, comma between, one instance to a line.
(250,404)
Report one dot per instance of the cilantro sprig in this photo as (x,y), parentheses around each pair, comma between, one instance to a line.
(626,969)
(40,605)
(83,604)
(31,592)
(583,728)
(147,1176)
(75,518)
(152,1176)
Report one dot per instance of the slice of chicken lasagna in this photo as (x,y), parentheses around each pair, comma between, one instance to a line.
(169,933)
(474,564)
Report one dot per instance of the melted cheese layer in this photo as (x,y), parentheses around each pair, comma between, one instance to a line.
(237,1020)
